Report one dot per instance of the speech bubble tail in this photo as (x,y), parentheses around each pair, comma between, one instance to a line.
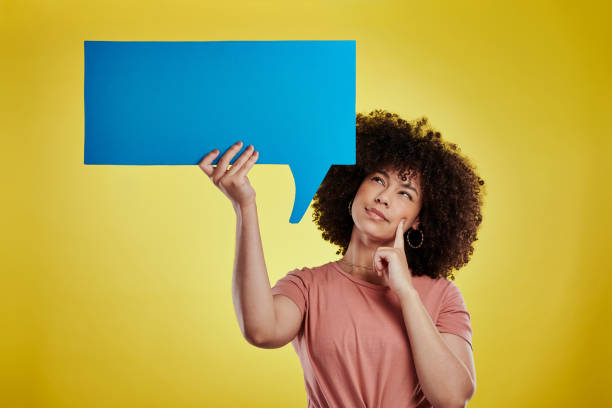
(307,182)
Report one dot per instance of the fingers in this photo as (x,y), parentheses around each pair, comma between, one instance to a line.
(399,235)
(249,163)
(240,167)
(378,265)
(205,162)
(241,160)
(374,258)
(224,162)
(379,259)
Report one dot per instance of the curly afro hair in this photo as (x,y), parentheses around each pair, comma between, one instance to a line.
(451,190)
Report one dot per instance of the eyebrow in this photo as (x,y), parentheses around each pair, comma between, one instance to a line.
(403,185)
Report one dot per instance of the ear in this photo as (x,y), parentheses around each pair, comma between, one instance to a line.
(415,223)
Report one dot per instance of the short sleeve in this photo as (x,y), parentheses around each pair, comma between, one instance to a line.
(295,286)
(454,317)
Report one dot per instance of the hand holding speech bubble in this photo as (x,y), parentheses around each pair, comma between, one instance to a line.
(169,103)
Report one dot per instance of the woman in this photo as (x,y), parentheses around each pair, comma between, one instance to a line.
(383,326)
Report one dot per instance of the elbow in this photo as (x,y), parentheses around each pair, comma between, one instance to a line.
(265,344)
(260,341)
(463,400)
(453,404)
(254,339)
(460,401)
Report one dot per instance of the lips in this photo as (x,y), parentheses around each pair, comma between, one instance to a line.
(375,211)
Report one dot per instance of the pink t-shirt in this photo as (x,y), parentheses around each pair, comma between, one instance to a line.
(353,344)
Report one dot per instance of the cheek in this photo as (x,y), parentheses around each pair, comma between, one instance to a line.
(409,212)
(362,193)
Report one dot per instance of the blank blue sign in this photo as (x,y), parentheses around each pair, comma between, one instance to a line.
(170,103)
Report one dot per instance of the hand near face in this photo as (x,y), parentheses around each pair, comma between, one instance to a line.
(392,265)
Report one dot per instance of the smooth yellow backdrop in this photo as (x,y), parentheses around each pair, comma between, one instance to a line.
(116,280)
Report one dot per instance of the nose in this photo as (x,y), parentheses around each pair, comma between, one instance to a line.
(383,200)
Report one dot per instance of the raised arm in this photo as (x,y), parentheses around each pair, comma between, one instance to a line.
(265,321)
(251,289)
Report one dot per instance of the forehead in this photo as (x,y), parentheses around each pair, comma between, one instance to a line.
(404,176)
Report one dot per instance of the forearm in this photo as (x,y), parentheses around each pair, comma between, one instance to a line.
(251,291)
(445,380)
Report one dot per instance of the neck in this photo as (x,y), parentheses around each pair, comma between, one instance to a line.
(360,252)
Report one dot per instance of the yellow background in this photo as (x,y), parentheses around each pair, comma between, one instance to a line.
(116,280)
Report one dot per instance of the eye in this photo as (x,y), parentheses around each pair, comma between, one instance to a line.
(409,196)
(377,178)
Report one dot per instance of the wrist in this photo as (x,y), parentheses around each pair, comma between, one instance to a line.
(242,207)
(408,295)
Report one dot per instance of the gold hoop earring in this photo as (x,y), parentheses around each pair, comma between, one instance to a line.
(350,207)
(408,238)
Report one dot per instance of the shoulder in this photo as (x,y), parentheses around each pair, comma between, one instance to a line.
(438,291)
(452,291)
(308,275)
(441,284)
(429,286)
(452,300)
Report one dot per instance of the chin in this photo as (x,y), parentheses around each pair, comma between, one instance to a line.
(376,231)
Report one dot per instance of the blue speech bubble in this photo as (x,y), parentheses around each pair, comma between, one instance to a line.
(170,103)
